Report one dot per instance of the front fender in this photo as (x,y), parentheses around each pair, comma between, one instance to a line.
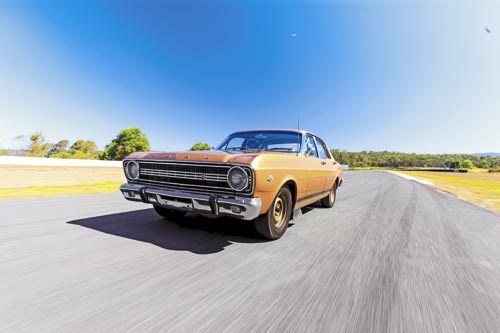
(269,182)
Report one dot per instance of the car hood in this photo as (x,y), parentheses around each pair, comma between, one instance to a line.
(199,156)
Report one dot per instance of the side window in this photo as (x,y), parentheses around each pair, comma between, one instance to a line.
(310,147)
(322,151)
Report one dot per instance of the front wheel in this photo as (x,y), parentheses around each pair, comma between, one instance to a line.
(273,224)
(329,200)
(169,214)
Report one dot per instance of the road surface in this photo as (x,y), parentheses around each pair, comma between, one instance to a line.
(393,255)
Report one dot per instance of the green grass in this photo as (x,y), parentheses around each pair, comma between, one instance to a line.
(59,190)
(480,187)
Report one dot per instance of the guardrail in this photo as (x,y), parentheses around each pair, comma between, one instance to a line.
(43,161)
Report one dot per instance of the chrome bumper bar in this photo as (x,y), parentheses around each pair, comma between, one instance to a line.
(201,203)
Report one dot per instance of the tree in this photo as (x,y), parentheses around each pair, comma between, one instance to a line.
(200,146)
(61,146)
(38,146)
(84,149)
(128,140)
(467,164)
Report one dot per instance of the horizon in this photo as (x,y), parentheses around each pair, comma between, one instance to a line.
(490,154)
(414,78)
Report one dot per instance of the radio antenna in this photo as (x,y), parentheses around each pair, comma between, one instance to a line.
(298,135)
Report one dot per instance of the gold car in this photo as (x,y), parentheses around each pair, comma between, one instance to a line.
(262,175)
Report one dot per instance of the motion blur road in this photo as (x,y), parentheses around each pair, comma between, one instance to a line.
(393,255)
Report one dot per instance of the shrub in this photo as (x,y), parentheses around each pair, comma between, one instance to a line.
(467,164)
(62,154)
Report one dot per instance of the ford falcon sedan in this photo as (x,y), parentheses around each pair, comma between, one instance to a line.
(260,175)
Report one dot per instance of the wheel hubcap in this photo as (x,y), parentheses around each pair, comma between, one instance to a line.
(279,211)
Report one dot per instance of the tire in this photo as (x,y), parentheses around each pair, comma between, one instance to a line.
(329,200)
(274,223)
(169,214)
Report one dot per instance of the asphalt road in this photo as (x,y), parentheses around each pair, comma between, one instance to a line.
(393,255)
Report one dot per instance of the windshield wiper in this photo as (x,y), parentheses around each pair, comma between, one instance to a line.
(280,148)
(237,148)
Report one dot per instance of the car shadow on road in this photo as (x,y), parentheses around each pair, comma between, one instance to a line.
(193,233)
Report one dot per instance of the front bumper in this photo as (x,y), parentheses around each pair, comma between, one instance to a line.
(201,203)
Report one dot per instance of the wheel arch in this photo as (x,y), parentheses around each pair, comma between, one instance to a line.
(292,186)
(338,181)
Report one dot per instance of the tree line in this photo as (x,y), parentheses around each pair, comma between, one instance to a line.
(132,139)
(81,149)
(127,141)
(389,159)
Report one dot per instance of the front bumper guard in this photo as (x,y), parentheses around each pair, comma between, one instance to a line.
(201,203)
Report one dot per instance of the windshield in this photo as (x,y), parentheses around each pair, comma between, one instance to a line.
(281,141)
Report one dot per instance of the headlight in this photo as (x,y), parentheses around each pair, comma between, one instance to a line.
(132,170)
(237,178)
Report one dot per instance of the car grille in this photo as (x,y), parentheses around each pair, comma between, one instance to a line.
(188,175)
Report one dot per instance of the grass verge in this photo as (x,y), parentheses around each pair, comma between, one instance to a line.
(482,188)
(18,176)
(59,190)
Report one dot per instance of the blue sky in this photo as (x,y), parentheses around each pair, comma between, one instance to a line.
(414,77)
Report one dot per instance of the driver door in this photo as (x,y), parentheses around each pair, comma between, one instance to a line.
(315,168)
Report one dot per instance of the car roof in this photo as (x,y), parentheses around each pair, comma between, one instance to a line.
(275,130)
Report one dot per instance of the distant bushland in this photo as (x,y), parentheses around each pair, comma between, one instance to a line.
(389,159)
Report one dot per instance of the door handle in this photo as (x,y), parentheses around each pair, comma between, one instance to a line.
(323,162)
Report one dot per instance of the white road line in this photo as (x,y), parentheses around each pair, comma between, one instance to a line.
(415,179)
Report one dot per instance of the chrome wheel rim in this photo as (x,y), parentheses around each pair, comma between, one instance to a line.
(279,211)
(332,195)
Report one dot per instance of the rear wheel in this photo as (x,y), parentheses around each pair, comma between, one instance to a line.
(170,214)
(273,224)
(329,200)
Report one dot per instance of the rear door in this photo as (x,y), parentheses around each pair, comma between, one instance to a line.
(327,164)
